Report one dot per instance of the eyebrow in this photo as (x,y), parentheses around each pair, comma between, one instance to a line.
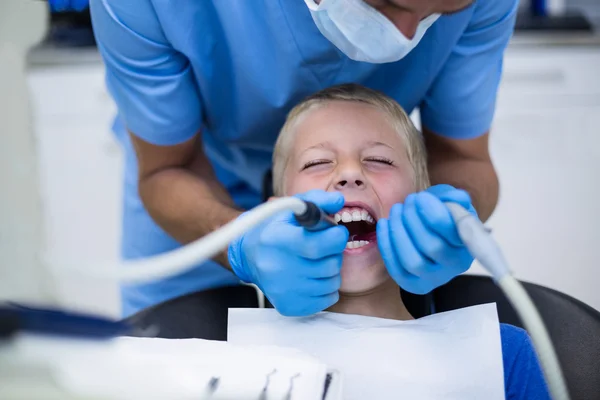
(326,145)
(377,144)
(322,145)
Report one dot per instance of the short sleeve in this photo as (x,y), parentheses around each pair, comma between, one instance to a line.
(524,379)
(461,102)
(152,84)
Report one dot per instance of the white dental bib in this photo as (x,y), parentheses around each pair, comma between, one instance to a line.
(452,355)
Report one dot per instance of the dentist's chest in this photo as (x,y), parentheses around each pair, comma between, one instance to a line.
(254,61)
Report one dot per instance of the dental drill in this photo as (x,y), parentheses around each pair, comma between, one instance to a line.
(471,230)
(178,261)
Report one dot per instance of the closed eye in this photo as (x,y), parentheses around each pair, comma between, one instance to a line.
(381,160)
(314,163)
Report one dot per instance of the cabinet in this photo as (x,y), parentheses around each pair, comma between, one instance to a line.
(546,146)
(80,165)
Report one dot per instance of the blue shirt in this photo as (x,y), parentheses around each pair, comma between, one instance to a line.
(233,69)
(523,377)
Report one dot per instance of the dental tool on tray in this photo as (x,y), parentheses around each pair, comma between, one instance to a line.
(475,236)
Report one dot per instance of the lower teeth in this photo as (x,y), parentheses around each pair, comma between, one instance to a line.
(354,244)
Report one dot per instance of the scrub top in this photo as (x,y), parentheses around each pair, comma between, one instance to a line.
(232,69)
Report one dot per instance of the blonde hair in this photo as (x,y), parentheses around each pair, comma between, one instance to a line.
(415,147)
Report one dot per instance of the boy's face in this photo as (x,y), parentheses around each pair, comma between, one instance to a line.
(352,148)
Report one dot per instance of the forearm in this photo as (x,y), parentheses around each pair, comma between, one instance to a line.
(477,177)
(188,204)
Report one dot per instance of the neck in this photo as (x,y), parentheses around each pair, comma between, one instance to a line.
(383,302)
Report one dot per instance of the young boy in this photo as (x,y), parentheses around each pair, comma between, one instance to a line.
(361,143)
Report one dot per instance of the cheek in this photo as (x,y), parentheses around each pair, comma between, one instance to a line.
(303,183)
(391,189)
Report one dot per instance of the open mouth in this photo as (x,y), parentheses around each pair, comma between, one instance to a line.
(360,224)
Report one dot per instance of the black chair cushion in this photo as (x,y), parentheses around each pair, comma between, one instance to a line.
(200,315)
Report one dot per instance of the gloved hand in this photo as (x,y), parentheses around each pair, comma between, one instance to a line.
(419,242)
(297,270)
(68,5)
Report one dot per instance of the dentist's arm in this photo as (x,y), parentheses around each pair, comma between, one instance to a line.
(418,242)
(180,191)
(464,164)
(458,110)
(159,101)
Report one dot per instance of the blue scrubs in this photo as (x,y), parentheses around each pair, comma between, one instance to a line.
(233,69)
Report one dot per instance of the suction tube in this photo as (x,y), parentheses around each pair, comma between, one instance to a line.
(485,250)
(182,259)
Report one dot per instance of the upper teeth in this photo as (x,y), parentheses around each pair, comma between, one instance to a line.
(355,214)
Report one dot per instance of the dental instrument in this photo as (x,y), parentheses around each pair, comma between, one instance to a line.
(314,219)
(177,261)
(471,230)
(484,249)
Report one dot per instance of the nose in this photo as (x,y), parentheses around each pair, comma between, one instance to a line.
(350,177)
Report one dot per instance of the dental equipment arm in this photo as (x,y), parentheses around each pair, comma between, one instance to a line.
(484,249)
(177,261)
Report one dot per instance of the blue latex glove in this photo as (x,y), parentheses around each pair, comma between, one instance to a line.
(297,270)
(68,5)
(419,242)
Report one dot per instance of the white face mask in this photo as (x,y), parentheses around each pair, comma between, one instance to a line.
(363,33)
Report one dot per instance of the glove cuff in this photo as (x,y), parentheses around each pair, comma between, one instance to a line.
(234,256)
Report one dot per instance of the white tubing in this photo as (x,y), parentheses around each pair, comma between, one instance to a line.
(484,248)
(189,256)
(541,340)
(259,294)
(469,229)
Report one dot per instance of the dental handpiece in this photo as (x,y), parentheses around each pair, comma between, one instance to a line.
(313,218)
(477,239)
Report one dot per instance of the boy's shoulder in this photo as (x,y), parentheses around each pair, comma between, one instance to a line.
(523,377)
(513,334)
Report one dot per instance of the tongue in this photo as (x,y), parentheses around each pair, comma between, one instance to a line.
(371,236)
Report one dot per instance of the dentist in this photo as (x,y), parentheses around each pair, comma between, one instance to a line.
(203,87)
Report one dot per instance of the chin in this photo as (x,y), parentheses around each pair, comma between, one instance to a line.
(361,278)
